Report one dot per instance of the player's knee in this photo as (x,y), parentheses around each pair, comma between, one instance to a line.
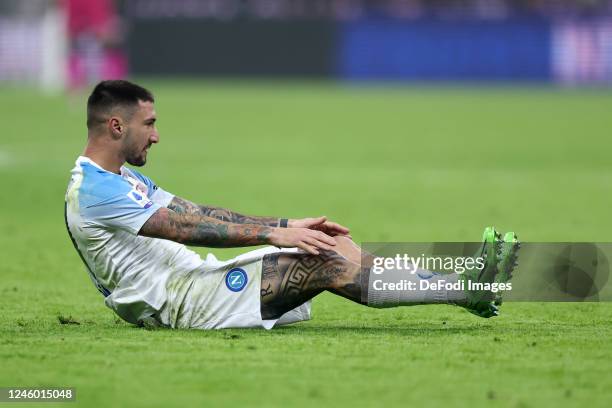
(342,240)
(337,272)
(348,249)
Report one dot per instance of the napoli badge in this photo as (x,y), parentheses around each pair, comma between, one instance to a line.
(236,279)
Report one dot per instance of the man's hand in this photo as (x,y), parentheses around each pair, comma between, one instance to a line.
(309,240)
(319,224)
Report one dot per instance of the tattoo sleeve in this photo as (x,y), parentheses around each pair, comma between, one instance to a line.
(201,230)
(182,206)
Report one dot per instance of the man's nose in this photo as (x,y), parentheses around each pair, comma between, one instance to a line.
(154,137)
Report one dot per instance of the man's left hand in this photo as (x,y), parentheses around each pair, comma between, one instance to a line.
(320,224)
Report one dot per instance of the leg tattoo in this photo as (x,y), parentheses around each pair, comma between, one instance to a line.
(288,280)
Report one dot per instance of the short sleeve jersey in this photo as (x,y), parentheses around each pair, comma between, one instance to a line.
(104,213)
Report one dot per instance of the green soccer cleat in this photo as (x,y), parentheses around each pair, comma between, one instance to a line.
(507,262)
(481,302)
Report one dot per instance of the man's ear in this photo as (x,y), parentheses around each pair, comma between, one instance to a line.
(116,127)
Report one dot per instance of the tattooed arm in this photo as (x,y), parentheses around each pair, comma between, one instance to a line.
(199,230)
(202,230)
(182,206)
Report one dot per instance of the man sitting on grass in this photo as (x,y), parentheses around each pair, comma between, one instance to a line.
(131,235)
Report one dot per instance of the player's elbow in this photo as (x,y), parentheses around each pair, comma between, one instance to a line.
(162,225)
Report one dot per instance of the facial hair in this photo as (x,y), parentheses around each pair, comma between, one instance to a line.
(135,156)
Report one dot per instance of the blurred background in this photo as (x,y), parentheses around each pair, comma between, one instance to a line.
(67,44)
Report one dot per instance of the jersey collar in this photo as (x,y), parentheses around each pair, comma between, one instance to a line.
(81,159)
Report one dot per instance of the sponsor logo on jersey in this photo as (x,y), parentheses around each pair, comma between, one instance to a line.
(136,184)
(140,199)
(142,188)
(236,279)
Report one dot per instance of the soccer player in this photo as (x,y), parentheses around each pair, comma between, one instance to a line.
(131,235)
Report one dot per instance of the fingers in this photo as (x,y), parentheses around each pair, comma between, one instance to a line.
(310,240)
(341,230)
(333,229)
(314,222)
(313,246)
(308,248)
(328,227)
(323,237)
(313,241)
(319,244)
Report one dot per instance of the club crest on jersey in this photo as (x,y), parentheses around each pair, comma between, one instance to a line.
(140,199)
(236,279)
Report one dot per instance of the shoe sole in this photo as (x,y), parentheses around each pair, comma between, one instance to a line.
(508,261)
(491,248)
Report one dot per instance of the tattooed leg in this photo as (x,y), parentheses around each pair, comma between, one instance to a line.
(288,280)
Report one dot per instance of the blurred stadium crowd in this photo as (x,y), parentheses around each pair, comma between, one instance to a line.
(355,9)
(62,44)
(335,9)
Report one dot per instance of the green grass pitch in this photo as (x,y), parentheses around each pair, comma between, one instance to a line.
(394,163)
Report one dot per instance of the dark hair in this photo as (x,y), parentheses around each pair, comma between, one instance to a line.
(109,95)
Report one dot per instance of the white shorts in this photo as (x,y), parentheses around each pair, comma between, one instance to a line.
(223,295)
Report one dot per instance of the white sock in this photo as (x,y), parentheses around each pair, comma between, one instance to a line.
(403,288)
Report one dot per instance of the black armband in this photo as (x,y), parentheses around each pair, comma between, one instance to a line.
(283,222)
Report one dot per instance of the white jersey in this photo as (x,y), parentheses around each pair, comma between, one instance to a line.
(104,213)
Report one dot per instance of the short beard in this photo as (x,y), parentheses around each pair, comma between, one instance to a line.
(136,161)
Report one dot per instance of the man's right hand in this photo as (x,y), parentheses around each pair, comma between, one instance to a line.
(306,239)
